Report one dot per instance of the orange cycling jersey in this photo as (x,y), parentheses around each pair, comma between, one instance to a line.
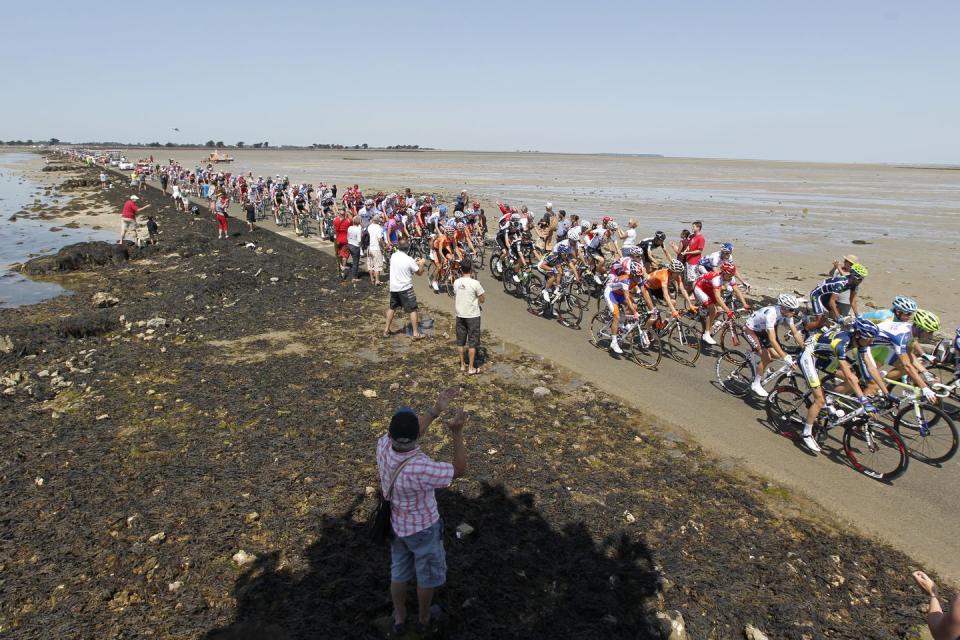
(441,243)
(459,236)
(659,279)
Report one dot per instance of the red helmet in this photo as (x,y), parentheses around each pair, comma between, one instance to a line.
(727,268)
(476,204)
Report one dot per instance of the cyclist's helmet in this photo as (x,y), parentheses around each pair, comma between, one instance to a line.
(926,321)
(458,214)
(612,225)
(460,226)
(788,301)
(368,202)
(859,271)
(448,230)
(634,252)
(606,220)
(659,236)
(515,217)
(574,234)
(904,304)
(476,204)
(865,329)
(726,247)
(676,266)
(727,269)
(443,209)
(636,270)
(398,217)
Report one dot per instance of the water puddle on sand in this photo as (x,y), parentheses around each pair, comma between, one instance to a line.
(24,238)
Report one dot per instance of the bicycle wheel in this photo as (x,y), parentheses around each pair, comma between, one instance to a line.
(511,284)
(534,294)
(927,431)
(683,342)
(875,450)
(648,356)
(734,372)
(600,330)
(570,312)
(731,336)
(787,410)
(496,266)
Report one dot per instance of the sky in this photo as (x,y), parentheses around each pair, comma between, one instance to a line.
(846,81)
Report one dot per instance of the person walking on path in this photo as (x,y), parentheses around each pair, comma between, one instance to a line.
(402,295)
(943,626)
(353,245)
(375,250)
(341,223)
(128,217)
(409,478)
(469,296)
(220,211)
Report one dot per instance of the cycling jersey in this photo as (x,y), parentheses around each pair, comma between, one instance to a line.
(829,348)
(615,292)
(621,266)
(443,245)
(826,288)
(658,280)
(898,335)
(646,245)
(708,283)
(768,318)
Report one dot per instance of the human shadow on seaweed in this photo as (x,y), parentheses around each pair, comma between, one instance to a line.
(515,576)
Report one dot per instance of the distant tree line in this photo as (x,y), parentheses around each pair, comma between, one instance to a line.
(219,144)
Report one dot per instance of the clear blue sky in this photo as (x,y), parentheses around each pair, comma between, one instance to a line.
(832,81)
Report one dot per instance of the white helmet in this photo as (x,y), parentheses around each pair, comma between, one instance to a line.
(574,234)
(788,301)
(613,226)
(549,205)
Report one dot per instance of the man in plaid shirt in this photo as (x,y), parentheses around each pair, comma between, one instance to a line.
(417,548)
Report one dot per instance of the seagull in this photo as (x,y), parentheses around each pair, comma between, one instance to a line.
(175,129)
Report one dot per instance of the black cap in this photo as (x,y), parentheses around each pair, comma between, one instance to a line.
(404,426)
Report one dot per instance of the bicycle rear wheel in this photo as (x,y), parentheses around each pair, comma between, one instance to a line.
(875,450)
(496,266)
(734,372)
(927,431)
(683,342)
(535,295)
(648,356)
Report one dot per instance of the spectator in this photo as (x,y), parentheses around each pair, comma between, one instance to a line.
(562,225)
(470,295)
(841,268)
(402,270)
(220,205)
(375,249)
(461,202)
(547,226)
(142,181)
(128,217)
(943,626)
(163,182)
(152,230)
(684,242)
(694,251)
(103,179)
(251,210)
(366,213)
(630,235)
(417,550)
(353,246)
(341,224)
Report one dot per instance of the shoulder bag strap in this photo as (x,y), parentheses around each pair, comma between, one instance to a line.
(396,474)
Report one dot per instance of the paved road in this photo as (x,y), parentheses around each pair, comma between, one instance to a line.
(917,514)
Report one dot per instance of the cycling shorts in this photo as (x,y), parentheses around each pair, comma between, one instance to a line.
(757,339)
(614,299)
(702,297)
(809,367)
(818,304)
(546,270)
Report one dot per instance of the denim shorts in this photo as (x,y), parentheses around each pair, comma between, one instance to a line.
(421,553)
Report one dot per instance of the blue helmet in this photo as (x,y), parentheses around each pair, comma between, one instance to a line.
(727,247)
(865,329)
(443,209)
(904,304)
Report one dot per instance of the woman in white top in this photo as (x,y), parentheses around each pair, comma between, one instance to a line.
(354,232)
(629,236)
(375,250)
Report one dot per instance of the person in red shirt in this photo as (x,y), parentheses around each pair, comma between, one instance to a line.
(341,224)
(692,254)
(128,217)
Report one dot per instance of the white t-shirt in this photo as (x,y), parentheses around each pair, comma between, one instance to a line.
(468,292)
(402,270)
(376,232)
(631,239)
(353,234)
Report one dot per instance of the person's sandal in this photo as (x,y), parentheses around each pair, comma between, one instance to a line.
(399,629)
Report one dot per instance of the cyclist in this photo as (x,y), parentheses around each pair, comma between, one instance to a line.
(658,285)
(597,239)
(761,333)
(707,290)
(647,245)
(830,348)
(617,292)
(900,303)
(444,250)
(551,265)
(519,250)
(713,260)
(823,298)
(897,346)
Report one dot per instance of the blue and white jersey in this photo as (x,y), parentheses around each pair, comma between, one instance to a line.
(835,284)
(876,317)
(897,335)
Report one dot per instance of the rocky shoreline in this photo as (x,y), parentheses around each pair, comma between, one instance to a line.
(189,453)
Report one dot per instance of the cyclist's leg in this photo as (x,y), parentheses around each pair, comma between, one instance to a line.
(810,373)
